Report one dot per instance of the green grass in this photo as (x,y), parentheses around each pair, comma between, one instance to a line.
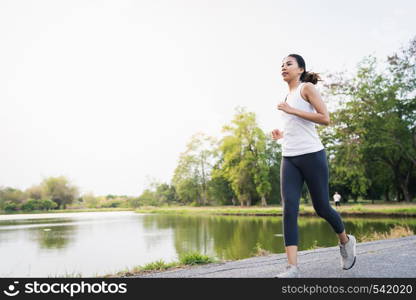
(396,232)
(213,210)
(204,210)
(380,209)
(361,208)
(194,258)
(159,265)
(392,210)
(186,259)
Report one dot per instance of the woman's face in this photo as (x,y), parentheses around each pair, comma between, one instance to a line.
(290,69)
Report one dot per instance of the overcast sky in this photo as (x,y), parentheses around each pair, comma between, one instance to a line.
(108,93)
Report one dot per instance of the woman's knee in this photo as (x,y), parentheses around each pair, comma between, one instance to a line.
(324,211)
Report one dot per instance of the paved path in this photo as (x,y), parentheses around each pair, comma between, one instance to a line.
(386,258)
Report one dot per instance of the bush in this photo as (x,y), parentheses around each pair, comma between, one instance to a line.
(28,206)
(134,202)
(112,203)
(35,204)
(48,204)
(194,258)
(157,265)
(11,206)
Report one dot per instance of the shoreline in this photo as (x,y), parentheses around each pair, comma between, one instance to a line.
(394,210)
(351,210)
(60,211)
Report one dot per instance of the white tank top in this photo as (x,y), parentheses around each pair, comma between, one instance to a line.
(299,135)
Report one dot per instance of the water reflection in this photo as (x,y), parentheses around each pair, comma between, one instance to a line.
(229,237)
(94,244)
(56,237)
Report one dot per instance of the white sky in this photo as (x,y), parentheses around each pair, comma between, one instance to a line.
(108,93)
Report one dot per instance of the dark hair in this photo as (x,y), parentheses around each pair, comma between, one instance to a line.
(306,76)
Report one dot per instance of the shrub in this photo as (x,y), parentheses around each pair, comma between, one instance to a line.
(11,206)
(134,202)
(28,206)
(193,258)
(47,204)
(35,204)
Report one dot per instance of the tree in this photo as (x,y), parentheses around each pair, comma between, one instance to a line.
(374,126)
(192,174)
(59,190)
(35,192)
(244,158)
(90,200)
(261,177)
(11,198)
(165,194)
(219,189)
(273,161)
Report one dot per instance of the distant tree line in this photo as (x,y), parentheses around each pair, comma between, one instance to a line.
(53,192)
(58,193)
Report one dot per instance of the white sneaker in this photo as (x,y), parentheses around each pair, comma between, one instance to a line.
(292,271)
(347,250)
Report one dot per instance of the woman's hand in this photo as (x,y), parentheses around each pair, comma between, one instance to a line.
(277,134)
(285,107)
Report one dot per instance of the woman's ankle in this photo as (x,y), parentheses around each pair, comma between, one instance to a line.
(344,241)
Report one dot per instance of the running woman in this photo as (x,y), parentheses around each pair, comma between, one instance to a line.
(304,160)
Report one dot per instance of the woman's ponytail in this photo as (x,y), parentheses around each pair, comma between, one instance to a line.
(310,77)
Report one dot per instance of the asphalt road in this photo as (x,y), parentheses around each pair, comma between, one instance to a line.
(394,258)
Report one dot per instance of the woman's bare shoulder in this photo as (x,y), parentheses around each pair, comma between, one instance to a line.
(307,89)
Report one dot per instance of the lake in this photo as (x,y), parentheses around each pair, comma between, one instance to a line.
(99,243)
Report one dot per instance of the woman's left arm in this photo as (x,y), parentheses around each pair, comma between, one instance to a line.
(312,95)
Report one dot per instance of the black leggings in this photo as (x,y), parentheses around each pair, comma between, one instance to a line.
(294,170)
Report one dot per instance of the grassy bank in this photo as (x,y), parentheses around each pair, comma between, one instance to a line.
(185,260)
(69,210)
(387,210)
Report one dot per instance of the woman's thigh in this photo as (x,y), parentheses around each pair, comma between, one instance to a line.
(314,167)
(291,182)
